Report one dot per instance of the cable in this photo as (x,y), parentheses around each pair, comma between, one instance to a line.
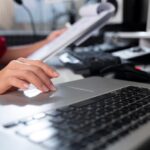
(31,19)
(20,2)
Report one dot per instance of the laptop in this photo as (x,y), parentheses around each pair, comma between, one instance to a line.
(89,114)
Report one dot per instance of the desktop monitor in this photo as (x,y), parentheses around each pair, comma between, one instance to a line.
(148,17)
(145,42)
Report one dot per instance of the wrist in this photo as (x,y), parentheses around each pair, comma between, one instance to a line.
(42,43)
(3,82)
(46,40)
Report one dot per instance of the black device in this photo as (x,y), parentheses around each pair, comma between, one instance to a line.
(20,2)
(134,12)
(126,71)
(90,63)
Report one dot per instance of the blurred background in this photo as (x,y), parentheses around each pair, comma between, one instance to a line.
(44,16)
(47,14)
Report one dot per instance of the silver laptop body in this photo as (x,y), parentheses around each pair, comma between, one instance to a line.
(15,106)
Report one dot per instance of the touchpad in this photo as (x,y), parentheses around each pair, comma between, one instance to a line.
(72,93)
(62,94)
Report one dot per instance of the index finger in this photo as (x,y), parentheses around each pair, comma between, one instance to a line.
(48,70)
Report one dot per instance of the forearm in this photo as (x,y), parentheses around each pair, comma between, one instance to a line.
(21,51)
(24,51)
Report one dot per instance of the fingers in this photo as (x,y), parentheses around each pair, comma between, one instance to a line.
(44,77)
(55,34)
(18,83)
(59,32)
(21,84)
(31,77)
(25,73)
(49,71)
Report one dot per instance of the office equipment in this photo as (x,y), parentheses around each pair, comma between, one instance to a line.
(90,62)
(144,41)
(128,13)
(126,71)
(135,12)
(93,113)
(132,53)
(83,27)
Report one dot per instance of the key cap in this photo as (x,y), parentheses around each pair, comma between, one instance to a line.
(27,130)
(42,135)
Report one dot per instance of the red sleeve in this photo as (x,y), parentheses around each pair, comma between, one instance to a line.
(3,46)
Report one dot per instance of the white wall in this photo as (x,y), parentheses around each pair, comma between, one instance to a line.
(6,14)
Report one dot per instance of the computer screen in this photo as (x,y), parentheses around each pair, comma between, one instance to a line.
(148,17)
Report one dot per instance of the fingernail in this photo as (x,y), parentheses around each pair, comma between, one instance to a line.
(53,88)
(45,89)
(56,74)
(26,86)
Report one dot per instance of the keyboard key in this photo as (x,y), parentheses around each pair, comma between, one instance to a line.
(27,130)
(53,113)
(52,143)
(57,120)
(26,120)
(39,116)
(10,125)
(42,135)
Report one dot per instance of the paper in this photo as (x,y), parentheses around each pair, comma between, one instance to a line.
(84,27)
(95,9)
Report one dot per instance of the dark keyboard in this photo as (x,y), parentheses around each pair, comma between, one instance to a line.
(89,57)
(92,124)
(92,61)
(103,47)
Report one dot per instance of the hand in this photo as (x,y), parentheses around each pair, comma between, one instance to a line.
(21,72)
(55,34)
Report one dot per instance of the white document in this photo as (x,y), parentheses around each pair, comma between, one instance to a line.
(79,31)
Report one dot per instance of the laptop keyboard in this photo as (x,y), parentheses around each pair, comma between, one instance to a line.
(92,124)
